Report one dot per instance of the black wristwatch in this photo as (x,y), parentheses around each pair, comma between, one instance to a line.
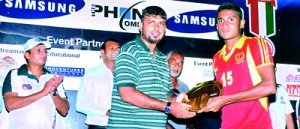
(55,93)
(168,108)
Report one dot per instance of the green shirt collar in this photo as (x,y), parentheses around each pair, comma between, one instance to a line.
(140,42)
(23,70)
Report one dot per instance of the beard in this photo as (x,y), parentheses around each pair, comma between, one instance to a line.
(174,72)
(150,40)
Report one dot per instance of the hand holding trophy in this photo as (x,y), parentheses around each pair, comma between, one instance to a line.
(199,95)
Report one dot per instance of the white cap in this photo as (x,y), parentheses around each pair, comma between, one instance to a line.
(31,43)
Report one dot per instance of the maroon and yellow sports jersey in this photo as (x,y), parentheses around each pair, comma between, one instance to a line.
(237,71)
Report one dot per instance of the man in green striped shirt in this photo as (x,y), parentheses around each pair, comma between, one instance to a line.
(142,94)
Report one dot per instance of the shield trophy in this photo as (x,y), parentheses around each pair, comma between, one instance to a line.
(199,95)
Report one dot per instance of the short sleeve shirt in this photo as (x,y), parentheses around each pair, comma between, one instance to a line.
(237,71)
(280,108)
(39,114)
(135,66)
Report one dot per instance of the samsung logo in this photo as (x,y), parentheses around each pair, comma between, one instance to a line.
(193,22)
(37,9)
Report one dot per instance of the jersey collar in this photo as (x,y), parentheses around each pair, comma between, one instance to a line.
(238,45)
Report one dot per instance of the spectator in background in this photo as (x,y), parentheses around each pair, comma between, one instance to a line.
(245,68)
(142,96)
(298,112)
(1,100)
(95,91)
(281,109)
(175,61)
(33,96)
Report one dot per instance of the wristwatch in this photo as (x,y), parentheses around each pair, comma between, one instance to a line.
(168,108)
(55,93)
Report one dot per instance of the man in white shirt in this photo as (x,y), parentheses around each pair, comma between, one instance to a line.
(281,109)
(95,91)
(34,97)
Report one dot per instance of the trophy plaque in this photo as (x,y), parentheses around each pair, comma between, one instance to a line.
(199,95)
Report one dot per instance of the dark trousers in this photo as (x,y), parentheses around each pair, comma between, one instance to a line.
(96,127)
(208,120)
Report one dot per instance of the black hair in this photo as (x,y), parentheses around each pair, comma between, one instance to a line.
(153,10)
(231,6)
(103,45)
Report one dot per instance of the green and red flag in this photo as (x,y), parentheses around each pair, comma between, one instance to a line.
(262,17)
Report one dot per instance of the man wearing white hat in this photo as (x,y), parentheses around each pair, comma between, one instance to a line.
(33,96)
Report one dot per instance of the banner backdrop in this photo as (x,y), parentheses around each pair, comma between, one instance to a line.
(70,63)
(197,19)
(289,76)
